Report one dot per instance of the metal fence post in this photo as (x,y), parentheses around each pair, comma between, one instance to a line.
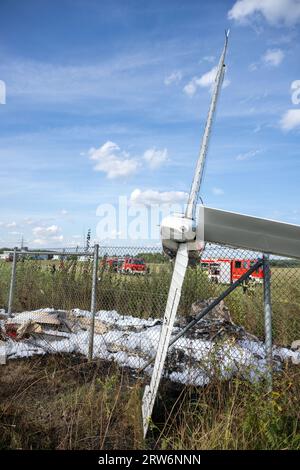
(93,301)
(268,320)
(12,282)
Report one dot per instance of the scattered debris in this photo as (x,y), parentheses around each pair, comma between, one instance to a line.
(215,346)
(28,328)
(216,325)
(43,317)
(39,322)
(99,328)
(295,346)
(220,312)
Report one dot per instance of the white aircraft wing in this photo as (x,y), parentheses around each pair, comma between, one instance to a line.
(251,233)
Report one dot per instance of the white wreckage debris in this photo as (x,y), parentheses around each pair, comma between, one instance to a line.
(215,347)
(40,322)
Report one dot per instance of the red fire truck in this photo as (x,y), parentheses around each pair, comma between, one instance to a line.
(226,271)
(111,263)
(126,265)
(133,266)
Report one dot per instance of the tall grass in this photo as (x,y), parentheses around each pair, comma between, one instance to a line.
(63,402)
(66,403)
(69,286)
(236,415)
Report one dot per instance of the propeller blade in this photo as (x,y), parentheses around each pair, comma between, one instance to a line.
(150,392)
(251,233)
(195,188)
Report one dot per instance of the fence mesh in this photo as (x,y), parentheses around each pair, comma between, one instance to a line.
(51,310)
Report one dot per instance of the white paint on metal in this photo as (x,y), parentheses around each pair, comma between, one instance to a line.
(193,196)
(150,392)
(251,233)
(44,318)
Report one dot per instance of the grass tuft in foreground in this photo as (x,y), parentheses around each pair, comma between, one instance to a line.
(63,402)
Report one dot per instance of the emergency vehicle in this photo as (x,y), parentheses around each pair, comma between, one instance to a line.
(227,271)
(133,266)
(112,263)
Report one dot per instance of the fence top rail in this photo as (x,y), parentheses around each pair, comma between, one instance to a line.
(56,253)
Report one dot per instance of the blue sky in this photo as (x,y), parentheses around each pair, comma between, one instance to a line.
(109,98)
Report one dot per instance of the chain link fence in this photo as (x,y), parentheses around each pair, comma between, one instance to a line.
(109,302)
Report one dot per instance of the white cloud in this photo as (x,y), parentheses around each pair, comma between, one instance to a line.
(191,87)
(155,158)
(290,120)
(28,221)
(252,67)
(115,163)
(64,212)
(273,57)
(205,81)
(274,11)
(174,77)
(46,235)
(209,58)
(58,238)
(149,197)
(217,191)
(208,78)
(51,231)
(112,161)
(39,241)
(11,225)
(247,155)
